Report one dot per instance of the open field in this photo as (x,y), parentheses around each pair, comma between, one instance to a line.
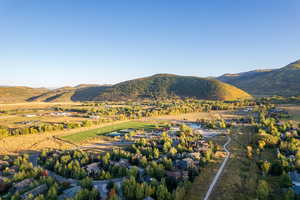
(31,105)
(199,115)
(294,111)
(84,135)
(240,175)
(37,142)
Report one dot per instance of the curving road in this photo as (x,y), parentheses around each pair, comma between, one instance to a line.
(215,180)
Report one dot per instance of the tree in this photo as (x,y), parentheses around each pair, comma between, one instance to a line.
(162,193)
(179,193)
(249,151)
(266,167)
(173,151)
(86,183)
(289,195)
(156,153)
(262,190)
(285,180)
(261,144)
(52,193)
(112,195)
(297,164)
(40,197)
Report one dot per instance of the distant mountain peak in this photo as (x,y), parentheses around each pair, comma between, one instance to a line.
(294,65)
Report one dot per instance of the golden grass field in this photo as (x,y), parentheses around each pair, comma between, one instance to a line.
(240,174)
(34,105)
(294,110)
(37,142)
(199,115)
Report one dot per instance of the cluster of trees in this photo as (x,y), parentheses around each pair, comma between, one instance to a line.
(214,124)
(45,127)
(24,169)
(68,163)
(134,190)
(278,137)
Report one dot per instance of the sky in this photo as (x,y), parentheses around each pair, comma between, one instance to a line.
(55,43)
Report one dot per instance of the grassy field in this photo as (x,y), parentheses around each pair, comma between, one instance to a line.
(240,175)
(294,111)
(84,135)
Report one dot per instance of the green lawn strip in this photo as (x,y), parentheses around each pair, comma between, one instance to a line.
(84,135)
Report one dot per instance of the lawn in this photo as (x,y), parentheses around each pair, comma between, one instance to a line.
(84,135)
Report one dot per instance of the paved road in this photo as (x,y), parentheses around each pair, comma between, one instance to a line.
(215,180)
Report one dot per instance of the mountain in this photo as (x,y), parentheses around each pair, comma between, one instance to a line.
(18,93)
(168,85)
(284,81)
(160,86)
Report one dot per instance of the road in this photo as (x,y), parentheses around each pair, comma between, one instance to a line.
(215,180)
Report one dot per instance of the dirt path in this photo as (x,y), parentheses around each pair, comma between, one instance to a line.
(216,178)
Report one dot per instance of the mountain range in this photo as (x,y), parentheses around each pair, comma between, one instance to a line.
(284,81)
(160,86)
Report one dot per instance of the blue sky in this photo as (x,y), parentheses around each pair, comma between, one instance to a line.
(67,42)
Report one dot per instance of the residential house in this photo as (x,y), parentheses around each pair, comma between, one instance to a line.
(23,184)
(35,192)
(93,168)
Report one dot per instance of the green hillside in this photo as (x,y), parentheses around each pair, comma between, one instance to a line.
(168,85)
(18,94)
(284,81)
(159,86)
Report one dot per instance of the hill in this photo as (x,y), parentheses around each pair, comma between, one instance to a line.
(159,86)
(167,85)
(284,81)
(82,92)
(18,93)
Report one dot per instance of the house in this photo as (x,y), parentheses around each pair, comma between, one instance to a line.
(114,134)
(185,163)
(101,186)
(63,114)
(121,163)
(195,155)
(35,192)
(30,115)
(295,177)
(69,193)
(23,184)
(184,175)
(124,131)
(94,117)
(60,179)
(93,168)
(3,164)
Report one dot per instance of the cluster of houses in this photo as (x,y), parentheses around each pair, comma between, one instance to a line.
(23,187)
(182,163)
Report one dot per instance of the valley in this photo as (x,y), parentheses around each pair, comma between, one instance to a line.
(105,133)
(161,137)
